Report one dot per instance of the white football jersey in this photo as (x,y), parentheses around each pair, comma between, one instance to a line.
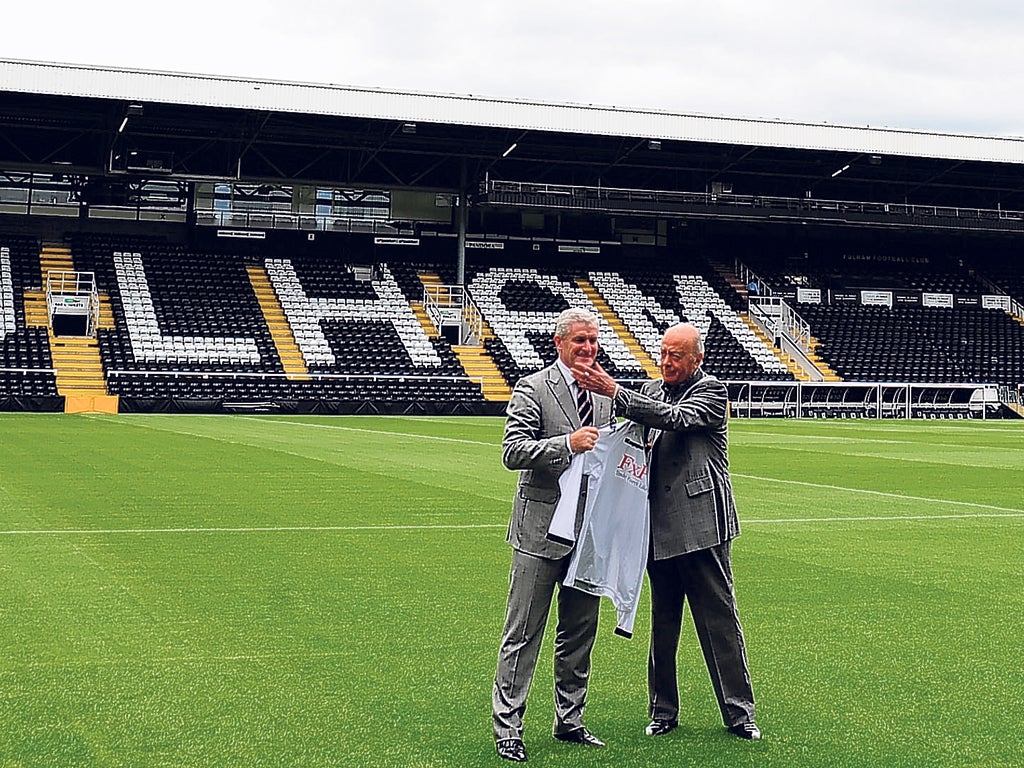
(611,549)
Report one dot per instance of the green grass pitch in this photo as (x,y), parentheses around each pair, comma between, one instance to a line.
(329,591)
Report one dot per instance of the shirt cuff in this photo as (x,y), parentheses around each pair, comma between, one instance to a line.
(621,399)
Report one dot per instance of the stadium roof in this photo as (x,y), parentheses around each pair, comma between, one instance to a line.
(346,101)
(109,122)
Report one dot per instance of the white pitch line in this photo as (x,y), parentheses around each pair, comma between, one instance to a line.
(879,519)
(885,494)
(304,424)
(380,432)
(198,660)
(255,529)
(480,526)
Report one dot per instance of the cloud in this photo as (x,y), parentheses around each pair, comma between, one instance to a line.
(938,65)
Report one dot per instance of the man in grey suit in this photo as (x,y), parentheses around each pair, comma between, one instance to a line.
(693,523)
(543,430)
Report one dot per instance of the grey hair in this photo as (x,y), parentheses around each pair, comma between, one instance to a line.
(567,317)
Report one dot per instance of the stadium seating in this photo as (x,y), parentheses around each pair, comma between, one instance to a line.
(365,329)
(26,368)
(189,327)
(913,343)
(1003,271)
(732,351)
(520,305)
(927,272)
(918,344)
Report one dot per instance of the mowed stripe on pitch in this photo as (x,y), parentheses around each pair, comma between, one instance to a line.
(994,512)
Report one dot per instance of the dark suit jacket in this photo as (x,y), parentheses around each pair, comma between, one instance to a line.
(541,412)
(690,492)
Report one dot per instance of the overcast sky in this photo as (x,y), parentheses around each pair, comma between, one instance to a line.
(942,65)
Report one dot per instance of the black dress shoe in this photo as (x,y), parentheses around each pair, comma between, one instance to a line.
(745,731)
(511,749)
(660,727)
(580,736)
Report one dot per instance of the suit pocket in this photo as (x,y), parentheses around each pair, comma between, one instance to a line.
(543,495)
(698,485)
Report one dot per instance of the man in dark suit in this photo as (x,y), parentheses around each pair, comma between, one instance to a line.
(693,523)
(543,430)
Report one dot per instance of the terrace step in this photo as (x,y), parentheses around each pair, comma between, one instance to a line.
(280,331)
(479,366)
(620,329)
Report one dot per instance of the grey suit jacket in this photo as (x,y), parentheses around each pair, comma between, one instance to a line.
(541,412)
(690,491)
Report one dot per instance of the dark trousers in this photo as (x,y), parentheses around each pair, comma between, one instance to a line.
(704,578)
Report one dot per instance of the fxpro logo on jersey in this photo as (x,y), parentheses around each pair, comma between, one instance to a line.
(632,471)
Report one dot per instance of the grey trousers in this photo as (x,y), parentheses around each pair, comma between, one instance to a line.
(705,579)
(531,588)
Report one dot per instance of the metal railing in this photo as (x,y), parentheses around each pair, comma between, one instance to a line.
(305,223)
(873,400)
(73,293)
(451,306)
(173,373)
(612,199)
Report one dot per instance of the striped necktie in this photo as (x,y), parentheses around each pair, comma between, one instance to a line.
(585,407)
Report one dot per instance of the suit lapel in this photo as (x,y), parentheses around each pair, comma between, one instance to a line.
(697,376)
(562,394)
(654,434)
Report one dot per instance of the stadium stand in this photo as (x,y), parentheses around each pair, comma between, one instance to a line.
(519,304)
(1001,272)
(189,327)
(189,333)
(919,344)
(903,317)
(241,251)
(26,368)
(733,351)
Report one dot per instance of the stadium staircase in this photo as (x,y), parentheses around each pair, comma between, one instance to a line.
(480,367)
(55,258)
(76,359)
(632,344)
(730,277)
(1010,402)
(824,368)
(418,309)
(791,364)
(474,358)
(794,367)
(280,331)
